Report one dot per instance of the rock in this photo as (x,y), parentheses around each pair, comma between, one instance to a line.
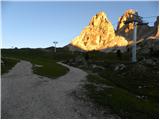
(138,68)
(72,48)
(143,31)
(96,66)
(80,61)
(155,45)
(126,30)
(129,14)
(101,87)
(145,51)
(156,27)
(98,35)
(2,62)
(139,87)
(141,97)
(38,65)
(120,67)
(90,115)
(150,62)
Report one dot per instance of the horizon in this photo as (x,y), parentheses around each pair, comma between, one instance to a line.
(38,24)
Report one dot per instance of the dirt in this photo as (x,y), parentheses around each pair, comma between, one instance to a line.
(27,95)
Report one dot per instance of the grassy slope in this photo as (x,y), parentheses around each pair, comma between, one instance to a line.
(8,64)
(128,85)
(40,57)
(122,101)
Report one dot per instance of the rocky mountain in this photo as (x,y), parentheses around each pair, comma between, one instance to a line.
(156,26)
(122,27)
(150,45)
(155,30)
(126,30)
(98,35)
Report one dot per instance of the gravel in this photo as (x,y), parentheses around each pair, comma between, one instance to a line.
(27,95)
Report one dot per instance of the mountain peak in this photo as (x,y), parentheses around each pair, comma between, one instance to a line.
(98,35)
(126,30)
(101,14)
(128,14)
(98,19)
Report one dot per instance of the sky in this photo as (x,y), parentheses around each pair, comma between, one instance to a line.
(39,24)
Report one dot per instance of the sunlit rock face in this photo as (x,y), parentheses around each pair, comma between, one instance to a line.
(126,30)
(154,31)
(128,15)
(98,35)
(156,27)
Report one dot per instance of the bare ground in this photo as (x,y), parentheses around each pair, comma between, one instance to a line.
(27,95)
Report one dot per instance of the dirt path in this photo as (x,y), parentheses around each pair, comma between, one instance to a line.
(26,95)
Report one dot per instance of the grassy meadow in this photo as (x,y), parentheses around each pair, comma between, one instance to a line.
(46,58)
(131,93)
(7,64)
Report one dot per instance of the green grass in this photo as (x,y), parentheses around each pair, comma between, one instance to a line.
(96,56)
(8,64)
(140,80)
(137,80)
(39,57)
(49,68)
(120,100)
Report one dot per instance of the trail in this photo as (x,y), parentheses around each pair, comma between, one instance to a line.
(27,95)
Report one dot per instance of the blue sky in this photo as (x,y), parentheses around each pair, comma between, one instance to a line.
(38,24)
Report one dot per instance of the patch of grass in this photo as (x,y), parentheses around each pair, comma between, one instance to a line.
(121,101)
(135,92)
(7,64)
(98,80)
(49,68)
(101,57)
(39,57)
(138,79)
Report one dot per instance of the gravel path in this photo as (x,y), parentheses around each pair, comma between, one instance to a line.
(27,95)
